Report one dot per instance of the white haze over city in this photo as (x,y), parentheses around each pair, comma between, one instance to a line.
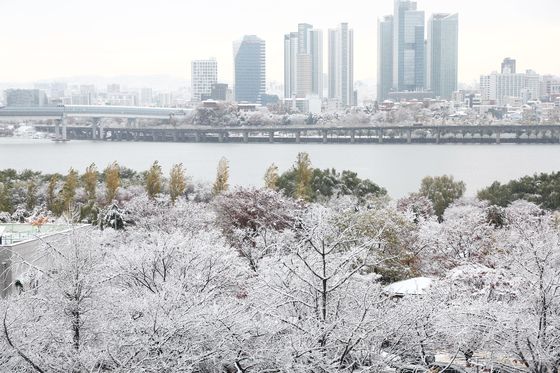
(49,40)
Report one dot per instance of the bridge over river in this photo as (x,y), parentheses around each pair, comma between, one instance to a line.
(95,130)
(489,134)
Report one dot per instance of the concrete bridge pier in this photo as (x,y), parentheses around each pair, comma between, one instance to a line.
(409,137)
(438,137)
(94,128)
(57,129)
(498,136)
(271,137)
(325,136)
(220,137)
(197,137)
(380,135)
(298,137)
(245,137)
(352,137)
(64,129)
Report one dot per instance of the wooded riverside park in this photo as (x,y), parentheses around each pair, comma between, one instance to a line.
(317,271)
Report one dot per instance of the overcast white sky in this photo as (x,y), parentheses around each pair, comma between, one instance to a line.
(59,38)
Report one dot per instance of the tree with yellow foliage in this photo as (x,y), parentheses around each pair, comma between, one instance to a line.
(222,177)
(154,180)
(177,182)
(112,181)
(69,189)
(304,176)
(271,177)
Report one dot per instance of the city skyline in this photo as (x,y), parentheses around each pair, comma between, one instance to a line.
(150,41)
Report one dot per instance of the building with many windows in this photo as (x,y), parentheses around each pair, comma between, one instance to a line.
(500,88)
(550,87)
(408,47)
(291,48)
(204,74)
(25,97)
(341,65)
(509,66)
(442,55)
(249,56)
(303,62)
(384,57)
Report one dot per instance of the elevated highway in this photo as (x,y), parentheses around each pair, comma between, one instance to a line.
(543,134)
(96,112)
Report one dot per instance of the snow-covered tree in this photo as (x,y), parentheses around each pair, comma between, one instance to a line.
(465,236)
(318,300)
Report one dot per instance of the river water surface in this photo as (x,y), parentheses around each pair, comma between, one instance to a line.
(398,168)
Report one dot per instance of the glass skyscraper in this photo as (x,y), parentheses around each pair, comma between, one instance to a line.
(384,57)
(442,54)
(341,65)
(408,47)
(250,69)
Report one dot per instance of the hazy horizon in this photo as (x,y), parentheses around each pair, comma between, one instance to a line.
(103,38)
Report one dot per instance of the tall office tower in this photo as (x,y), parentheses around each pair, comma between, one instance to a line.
(341,65)
(304,75)
(509,66)
(408,47)
(304,42)
(204,74)
(442,54)
(384,57)
(316,50)
(249,56)
(303,62)
(290,64)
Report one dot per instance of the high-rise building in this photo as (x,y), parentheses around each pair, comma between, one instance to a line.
(146,96)
(204,73)
(408,47)
(509,66)
(89,92)
(316,51)
(304,75)
(25,97)
(341,65)
(498,88)
(303,62)
(304,42)
(249,56)
(384,57)
(442,54)
(291,48)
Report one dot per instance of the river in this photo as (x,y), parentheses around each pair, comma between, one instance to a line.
(398,168)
